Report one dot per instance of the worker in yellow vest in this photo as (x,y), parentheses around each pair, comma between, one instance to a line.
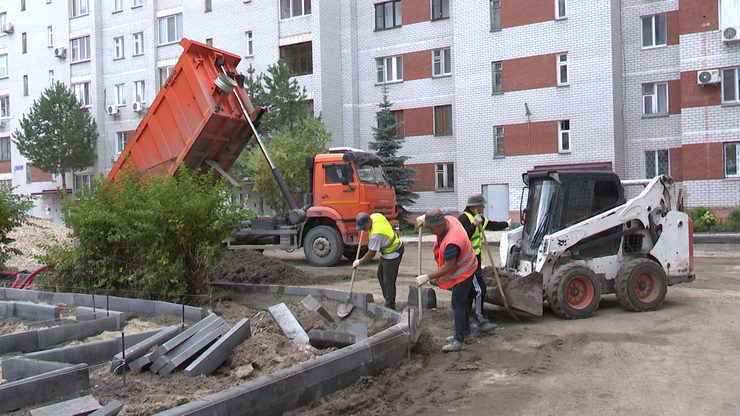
(383,239)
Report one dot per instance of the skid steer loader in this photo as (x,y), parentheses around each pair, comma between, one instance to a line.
(580,239)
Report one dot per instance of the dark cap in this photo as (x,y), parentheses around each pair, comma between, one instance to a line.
(475,200)
(362,219)
(433,218)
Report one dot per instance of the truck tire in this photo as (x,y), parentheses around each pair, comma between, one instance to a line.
(641,285)
(574,291)
(350,252)
(323,246)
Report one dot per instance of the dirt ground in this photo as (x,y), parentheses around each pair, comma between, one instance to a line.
(681,359)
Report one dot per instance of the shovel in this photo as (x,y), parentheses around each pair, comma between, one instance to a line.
(418,288)
(345,309)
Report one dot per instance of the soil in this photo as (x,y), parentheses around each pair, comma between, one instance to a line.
(249,266)
(32,239)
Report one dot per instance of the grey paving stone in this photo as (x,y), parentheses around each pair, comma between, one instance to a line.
(94,352)
(36,312)
(141,363)
(17,368)
(110,409)
(182,337)
(174,361)
(206,328)
(310,303)
(7,309)
(86,313)
(287,322)
(22,295)
(383,312)
(43,387)
(356,329)
(76,407)
(216,354)
(428,297)
(62,333)
(142,348)
(19,341)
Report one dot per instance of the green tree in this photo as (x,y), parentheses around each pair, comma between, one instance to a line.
(12,214)
(57,135)
(386,143)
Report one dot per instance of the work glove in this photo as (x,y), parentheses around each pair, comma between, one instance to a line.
(478,220)
(355,263)
(420,220)
(421,280)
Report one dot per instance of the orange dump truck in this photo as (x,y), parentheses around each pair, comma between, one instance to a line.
(203,118)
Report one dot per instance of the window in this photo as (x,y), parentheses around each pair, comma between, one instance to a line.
(51,77)
(390,69)
(445,176)
(139,96)
(82,92)
(5,106)
(442,120)
(118,45)
(337,173)
(4,65)
(564,136)
(441,62)
(294,8)
(440,9)
(117,6)
(730,84)
(164,73)
(121,141)
(656,163)
(560,9)
(398,120)
(80,49)
(170,29)
(137,3)
(497,68)
(82,182)
(24,43)
(653,31)
(50,37)
(120,94)
(732,156)
(3,19)
(495,15)
(250,44)
(23,5)
(138,43)
(80,7)
(208,6)
(209,41)
(498,141)
(729,13)
(562,68)
(387,15)
(6,184)
(655,98)
(298,57)
(25,85)
(4,149)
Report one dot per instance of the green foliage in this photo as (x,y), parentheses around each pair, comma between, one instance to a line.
(57,135)
(156,236)
(12,214)
(734,218)
(386,145)
(702,219)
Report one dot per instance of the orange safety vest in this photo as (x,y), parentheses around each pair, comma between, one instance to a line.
(465,264)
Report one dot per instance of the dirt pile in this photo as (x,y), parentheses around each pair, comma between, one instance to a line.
(32,239)
(249,266)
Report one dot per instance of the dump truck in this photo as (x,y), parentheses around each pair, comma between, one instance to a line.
(580,239)
(202,119)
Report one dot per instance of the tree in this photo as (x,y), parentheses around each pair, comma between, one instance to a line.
(57,135)
(386,144)
(12,214)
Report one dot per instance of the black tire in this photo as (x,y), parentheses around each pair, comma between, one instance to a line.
(641,285)
(323,246)
(573,292)
(350,252)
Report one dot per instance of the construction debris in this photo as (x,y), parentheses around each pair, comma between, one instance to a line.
(214,356)
(310,303)
(330,339)
(76,407)
(290,326)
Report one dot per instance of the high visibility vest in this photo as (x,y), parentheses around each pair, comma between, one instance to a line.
(465,264)
(476,239)
(383,227)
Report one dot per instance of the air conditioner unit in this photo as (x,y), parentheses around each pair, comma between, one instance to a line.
(708,76)
(60,52)
(137,106)
(112,110)
(731,34)
(8,28)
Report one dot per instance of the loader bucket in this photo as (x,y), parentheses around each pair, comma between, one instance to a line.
(523,293)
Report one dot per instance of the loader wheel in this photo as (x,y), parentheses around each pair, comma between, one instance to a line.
(573,292)
(641,285)
(323,246)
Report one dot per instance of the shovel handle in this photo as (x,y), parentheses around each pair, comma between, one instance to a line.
(418,288)
(357,257)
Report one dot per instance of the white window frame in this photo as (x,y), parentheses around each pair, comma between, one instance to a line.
(250,43)
(444,170)
(138,38)
(653,29)
(3,20)
(121,141)
(564,14)
(289,12)
(119,50)
(562,65)
(77,47)
(5,106)
(82,92)
(390,68)
(120,95)
(725,153)
(4,66)
(80,8)
(49,37)
(163,23)
(656,159)
(85,180)
(651,100)
(731,84)
(139,91)
(117,6)
(137,3)
(51,77)
(563,136)
(441,62)
(164,72)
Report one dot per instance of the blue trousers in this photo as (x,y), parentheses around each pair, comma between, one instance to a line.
(461,308)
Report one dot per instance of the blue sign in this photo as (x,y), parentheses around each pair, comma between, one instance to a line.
(18,167)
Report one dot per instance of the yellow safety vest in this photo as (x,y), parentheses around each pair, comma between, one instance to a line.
(476,239)
(383,227)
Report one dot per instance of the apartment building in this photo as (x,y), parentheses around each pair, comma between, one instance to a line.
(484,90)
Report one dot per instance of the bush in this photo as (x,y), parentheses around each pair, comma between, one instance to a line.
(734,219)
(702,219)
(12,214)
(156,236)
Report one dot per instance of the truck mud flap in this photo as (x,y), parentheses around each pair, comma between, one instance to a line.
(523,293)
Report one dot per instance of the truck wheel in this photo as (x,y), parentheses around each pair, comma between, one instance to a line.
(323,246)
(641,285)
(351,251)
(573,292)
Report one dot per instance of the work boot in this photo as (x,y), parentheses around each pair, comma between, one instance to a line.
(468,338)
(455,345)
(473,325)
(391,306)
(486,326)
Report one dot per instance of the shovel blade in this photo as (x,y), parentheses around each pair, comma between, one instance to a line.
(523,293)
(345,309)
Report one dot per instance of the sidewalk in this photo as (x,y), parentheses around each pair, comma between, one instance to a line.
(719,238)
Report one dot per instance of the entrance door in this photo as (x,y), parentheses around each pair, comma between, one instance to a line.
(497,207)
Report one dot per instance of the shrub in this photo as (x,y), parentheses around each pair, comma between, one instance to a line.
(156,236)
(734,219)
(702,219)
(12,214)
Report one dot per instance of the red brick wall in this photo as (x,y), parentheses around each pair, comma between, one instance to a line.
(676,163)
(525,12)
(418,121)
(695,95)
(424,177)
(544,138)
(698,16)
(417,65)
(39,176)
(674,96)
(529,73)
(672,27)
(415,11)
(701,161)
(5,167)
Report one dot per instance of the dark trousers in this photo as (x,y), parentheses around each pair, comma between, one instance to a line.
(478,293)
(461,308)
(387,274)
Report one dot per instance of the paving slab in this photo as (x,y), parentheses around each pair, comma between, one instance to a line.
(62,333)
(158,362)
(18,368)
(85,313)
(19,341)
(76,407)
(7,309)
(287,322)
(142,348)
(182,337)
(94,352)
(216,354)
(174,361)
(356,329)
(43,387)
(36,312)
(22,294)
(110,409)
(141,363)
(428,297)
(383,312)
(321,339)
(310,303)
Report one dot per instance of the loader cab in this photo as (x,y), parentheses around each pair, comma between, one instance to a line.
(560,199)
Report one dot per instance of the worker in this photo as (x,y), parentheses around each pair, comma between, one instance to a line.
(456,267)
(383,239)
(473,220)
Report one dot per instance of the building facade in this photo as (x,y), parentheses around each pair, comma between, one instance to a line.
(483,90)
